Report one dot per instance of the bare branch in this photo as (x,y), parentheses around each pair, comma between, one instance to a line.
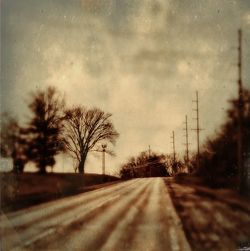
(85,128)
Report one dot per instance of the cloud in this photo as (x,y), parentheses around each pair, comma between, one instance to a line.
(140,60)
(246,18)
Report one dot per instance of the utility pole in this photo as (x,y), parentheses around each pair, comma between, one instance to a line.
(103,149)
(174,154)
(173,142)
(187,143)
(63,162)
(197,129)
(241,171)
(104,146)
(150,167)
(149,151)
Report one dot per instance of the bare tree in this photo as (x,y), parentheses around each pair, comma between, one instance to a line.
(174,165)
(83,129)
(144,165)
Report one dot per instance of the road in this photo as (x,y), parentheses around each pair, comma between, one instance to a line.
(131,215)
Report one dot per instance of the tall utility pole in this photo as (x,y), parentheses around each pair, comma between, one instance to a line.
(173,142)
(104,146)
(241,172)
(197,129)
(150,167)
(149,151)
(187,143)
(174,166)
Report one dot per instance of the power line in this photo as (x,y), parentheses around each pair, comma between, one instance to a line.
(150,162)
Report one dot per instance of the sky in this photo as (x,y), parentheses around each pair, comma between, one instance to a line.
(141,60)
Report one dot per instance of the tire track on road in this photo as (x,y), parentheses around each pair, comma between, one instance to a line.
(94,228)
(136,215)
(160,227)
(48,224)
(25,217)
(123,235)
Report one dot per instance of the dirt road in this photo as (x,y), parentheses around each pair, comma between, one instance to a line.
(131,215)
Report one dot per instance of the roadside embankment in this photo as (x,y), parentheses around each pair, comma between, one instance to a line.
(27,189)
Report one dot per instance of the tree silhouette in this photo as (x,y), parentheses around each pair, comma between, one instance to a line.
(13,143)
(83,129)
(45,127)
(219,155)
(174,165)
(144,166)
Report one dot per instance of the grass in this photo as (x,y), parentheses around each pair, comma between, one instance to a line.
(212,218)
(27,189)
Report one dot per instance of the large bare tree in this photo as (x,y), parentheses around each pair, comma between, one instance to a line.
(83,129)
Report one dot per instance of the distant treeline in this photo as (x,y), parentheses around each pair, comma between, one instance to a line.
(152,165)
(145,165)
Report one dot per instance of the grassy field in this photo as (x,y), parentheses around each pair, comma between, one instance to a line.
(27,189)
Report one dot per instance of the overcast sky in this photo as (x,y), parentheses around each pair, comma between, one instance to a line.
(141,60)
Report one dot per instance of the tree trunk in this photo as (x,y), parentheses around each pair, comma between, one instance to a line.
(18,166)
(81,165)
(42,169)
